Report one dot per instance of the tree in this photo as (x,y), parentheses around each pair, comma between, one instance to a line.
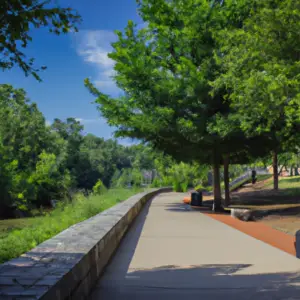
(165,71)
(260,68)
(27,147)
(71,132)
(49,180)
(17,17)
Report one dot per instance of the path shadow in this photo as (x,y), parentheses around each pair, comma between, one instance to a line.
(123,256)
(209,282)
(205,208)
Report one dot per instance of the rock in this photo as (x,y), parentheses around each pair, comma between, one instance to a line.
(242,214)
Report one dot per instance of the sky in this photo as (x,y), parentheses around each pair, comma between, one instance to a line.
(72,58)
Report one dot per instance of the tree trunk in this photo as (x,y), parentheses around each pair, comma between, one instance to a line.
(296,170)
(275,170)
(217,187)
(226,180)
(291,171)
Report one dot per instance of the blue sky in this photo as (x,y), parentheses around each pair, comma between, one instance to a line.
(72,58)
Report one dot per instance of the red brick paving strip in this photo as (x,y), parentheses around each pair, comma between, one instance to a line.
(273,237)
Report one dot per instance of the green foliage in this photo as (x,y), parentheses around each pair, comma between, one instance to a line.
(260,70)
(99,188)
(176,185)
(28,150)
(40,229)
(179,175)
(124,179)
(136,177)
(156,182)
(18,17)
(40,163)
(166,70)
(184,187)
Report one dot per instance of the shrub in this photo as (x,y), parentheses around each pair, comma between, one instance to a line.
(99,188)
(156,182)
(184,186)
(199,188)
(176,186)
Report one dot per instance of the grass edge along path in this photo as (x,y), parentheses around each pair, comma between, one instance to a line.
(82,208)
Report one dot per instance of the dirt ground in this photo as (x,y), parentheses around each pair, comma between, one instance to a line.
(284,206)
(285,223)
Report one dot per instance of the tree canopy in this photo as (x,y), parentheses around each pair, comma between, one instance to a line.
(165,71)
(18,18)
(259,68)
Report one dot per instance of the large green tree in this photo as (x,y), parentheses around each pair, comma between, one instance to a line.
(259,67)
(28,151)
(18,18)
(165,71)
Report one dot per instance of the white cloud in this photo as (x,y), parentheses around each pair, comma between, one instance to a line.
(93,46)
(128,142)
(89,121)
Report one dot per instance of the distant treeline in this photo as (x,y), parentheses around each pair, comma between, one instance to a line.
(40,162)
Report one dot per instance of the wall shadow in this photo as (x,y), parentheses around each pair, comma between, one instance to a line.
(120,261)
(205,208)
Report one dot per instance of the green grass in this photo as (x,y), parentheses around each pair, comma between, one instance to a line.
(289,186)
(7,226)
(264,177)
(287,197)
(20,235)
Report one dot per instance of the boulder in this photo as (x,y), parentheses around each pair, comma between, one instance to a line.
(242,214)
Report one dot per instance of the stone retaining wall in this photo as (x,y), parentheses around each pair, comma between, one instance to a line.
(68,265)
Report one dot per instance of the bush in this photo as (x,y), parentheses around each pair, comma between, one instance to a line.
(156,182)
(199,188)
(176,186)
(99,188)
(184,186)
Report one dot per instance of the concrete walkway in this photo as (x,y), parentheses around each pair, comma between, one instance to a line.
(173,252)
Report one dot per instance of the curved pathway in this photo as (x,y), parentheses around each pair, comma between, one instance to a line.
(174,252)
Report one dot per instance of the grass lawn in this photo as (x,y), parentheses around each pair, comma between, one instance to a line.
(289,186)
(7,226)
(262,195)
(18,236)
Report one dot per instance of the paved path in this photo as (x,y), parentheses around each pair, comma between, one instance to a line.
(172,252)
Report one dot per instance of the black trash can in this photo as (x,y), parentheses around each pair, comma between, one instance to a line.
(196,199)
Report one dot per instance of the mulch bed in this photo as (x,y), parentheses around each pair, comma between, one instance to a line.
(262,232)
